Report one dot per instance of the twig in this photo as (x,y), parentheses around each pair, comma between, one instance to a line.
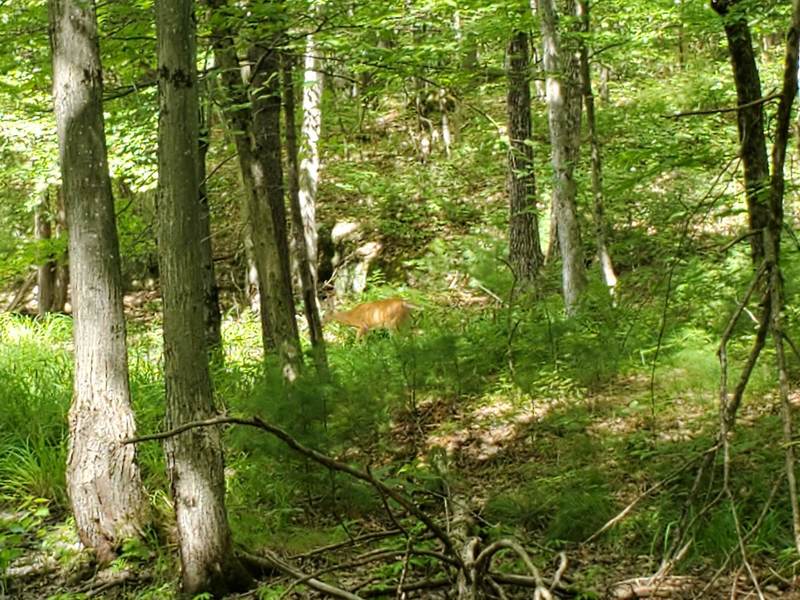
(217,168)
(496,588)
(494,296)
(622,514)
(791,343)
(366,558)
(485,557)
(671,274)
(20,295)
(739,238)
(271,561)
(727,417)
(404,572)
(562,567)
(425,584)
(772,252)
(713,111)
(389,511)
(356,540)
(742,549)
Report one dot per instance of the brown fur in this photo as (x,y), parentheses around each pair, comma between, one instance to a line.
(391,314)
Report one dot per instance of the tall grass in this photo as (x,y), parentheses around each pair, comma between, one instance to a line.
(35,392)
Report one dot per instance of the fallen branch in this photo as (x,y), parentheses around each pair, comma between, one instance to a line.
(351,542)
(649,587)
(425,584)
(318,457)
(20,295)
(624,512)
(271,561)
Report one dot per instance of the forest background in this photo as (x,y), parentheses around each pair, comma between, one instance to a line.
(540,414)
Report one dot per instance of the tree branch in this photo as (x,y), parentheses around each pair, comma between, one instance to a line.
(318,457)
(714,111)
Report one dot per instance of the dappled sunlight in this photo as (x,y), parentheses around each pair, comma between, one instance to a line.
(488,429)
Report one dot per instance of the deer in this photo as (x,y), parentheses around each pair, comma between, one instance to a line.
(391,314)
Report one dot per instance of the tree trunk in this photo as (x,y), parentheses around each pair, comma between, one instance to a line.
(268,216)
(213,318)
(310,300)
(260,164)
(309,150)
(194,458)
(525,251)
(103,479)
(238,117)
(564,111)
(772,243)
(600,224)
(61,284)
(46,272)
(750,121)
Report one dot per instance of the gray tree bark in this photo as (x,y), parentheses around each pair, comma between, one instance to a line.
(598,205)
(310,300)
(61,285)
(46,272)
(194,458)
(525,251)
(213,317)
(561,62)
(255,122)
(310,131)
(268,216)
(750,120)
(103,479)
(237,116)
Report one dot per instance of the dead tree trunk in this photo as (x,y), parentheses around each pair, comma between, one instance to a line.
(310,131)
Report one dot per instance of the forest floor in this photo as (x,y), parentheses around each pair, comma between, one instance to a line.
(491,445)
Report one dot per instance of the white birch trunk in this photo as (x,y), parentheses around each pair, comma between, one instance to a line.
(309,150)
(564,112)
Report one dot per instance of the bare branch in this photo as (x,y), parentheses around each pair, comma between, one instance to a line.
(272,561)
(318,457)
(714,111)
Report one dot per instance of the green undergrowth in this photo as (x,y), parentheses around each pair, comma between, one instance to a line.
(606,424)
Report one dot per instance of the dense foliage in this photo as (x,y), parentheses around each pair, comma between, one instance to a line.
(552,425)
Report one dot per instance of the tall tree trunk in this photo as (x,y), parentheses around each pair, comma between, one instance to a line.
(237,116)
(564,111)
(213,318)
(598,208)
(61,284)
(46,272)
(194,458)
(309,149)
(525,251)
(103,480)
(268,217)
(772,243)
(260,164)
(310,301)
(750,120)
